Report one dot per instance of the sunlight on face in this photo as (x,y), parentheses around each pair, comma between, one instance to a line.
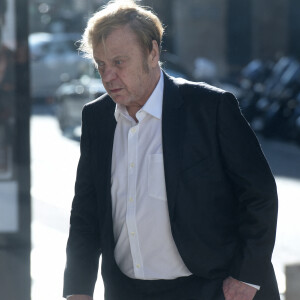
(128,75)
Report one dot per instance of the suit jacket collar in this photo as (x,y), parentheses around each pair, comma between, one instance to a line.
(172,136)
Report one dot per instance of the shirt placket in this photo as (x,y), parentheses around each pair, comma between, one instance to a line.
(131,203)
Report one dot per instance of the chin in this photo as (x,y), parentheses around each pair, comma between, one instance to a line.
(120,99)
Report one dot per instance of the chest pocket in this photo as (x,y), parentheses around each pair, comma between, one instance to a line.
(156,177)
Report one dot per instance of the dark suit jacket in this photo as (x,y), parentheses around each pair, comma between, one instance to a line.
(221,193)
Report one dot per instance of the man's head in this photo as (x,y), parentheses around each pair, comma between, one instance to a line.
(124,40)
(118,13)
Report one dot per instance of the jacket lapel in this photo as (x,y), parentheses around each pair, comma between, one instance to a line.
(172,136)
(104,129)
(107,125)
(109,131)
(172,131)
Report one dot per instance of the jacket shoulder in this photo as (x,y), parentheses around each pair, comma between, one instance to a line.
(191,87)
(101,101)
(200,95)
(103,104)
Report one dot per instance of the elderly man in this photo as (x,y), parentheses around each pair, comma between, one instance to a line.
(172,187)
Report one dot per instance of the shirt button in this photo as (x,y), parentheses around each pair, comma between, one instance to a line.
(133,130)
(132,165)
(130,199)
(138,266)
(132,233)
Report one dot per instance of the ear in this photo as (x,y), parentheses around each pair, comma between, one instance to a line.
(154,54)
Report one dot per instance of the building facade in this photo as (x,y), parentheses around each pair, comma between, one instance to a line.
(230,33)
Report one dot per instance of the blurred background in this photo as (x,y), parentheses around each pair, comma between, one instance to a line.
(249,47)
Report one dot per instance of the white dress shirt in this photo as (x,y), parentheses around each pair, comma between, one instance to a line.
(145,248)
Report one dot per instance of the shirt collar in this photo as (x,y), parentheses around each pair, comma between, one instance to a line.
(153,105)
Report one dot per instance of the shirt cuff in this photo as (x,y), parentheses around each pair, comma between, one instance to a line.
(253,285)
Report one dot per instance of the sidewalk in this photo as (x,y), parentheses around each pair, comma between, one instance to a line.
(54,162)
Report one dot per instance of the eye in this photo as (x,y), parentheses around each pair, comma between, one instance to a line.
(118,62)
(100,66)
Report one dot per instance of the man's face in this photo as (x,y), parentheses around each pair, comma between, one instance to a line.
(128,75)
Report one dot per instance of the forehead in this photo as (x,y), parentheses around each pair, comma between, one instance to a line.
(121,41)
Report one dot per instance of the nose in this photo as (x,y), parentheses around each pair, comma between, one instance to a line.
(109,74)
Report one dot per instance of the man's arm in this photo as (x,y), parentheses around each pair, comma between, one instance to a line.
(255,189)
(83,247)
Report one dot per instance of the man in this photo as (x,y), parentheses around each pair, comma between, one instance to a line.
(172,187)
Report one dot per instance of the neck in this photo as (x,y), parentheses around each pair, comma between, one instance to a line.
(132,110)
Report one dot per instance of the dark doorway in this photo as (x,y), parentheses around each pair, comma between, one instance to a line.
(294,28)
(238,34)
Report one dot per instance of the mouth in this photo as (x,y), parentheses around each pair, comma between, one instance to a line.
(115,91)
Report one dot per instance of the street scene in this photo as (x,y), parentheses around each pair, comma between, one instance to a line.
(54,161)
(46,79)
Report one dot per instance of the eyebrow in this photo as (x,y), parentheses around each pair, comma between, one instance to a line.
(121,56)
(97,60)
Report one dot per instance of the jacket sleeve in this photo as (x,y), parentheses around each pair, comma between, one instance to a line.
(83,246)
(255,190)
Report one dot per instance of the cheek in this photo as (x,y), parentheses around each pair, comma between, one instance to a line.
(129,81)
(133,80)
(105,86)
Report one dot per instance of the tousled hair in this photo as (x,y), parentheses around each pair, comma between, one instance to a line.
(117,13)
